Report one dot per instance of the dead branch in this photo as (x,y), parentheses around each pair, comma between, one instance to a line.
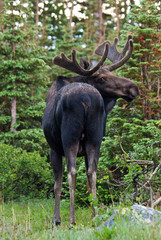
(141,162)
(156,202)
(117,185)
(147,179)
(151,175)
(146,188)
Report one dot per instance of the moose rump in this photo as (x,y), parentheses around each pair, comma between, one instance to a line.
(74,127)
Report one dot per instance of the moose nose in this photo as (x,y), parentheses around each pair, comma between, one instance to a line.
(135,92)
(134,95)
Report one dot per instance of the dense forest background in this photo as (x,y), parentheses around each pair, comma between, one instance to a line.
(31,34)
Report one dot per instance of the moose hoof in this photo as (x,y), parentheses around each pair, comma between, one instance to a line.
(55,223)
(72,222)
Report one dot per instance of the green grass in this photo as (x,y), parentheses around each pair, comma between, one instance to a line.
(31,219)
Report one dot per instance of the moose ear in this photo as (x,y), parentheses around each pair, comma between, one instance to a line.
(84,64)
(62,81)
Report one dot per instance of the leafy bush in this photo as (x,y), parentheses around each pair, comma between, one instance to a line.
(23,173)
(28,139)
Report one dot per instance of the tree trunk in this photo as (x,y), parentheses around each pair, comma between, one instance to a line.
(132,2)
(37,12)
(37,32)
(1,6)
(71,17)
(158,97)
(117,20)
(37,18)
(126,10)
(100,22)
(13,113)
(13,102)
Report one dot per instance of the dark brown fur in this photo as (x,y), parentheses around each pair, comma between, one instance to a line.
(75,117)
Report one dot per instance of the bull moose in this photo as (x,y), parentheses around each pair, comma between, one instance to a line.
(76,111)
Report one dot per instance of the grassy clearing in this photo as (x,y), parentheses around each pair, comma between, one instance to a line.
(32,220)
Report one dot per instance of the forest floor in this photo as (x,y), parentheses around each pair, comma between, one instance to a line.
(31,219)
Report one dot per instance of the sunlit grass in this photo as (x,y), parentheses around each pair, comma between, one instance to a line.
(31,219)
(24,219)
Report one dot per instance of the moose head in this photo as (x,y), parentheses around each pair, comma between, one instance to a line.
(109,85)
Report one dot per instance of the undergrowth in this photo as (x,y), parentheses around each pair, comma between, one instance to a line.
(31,219)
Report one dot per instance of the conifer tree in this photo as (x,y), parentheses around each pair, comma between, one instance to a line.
(23,71)
(145,66)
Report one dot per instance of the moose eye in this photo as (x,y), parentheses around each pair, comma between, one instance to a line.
(102,80)
(127,91)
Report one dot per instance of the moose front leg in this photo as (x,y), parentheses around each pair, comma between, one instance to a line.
(56,162)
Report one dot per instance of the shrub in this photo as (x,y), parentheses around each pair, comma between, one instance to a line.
(23,173)
(28,139)
(129,153)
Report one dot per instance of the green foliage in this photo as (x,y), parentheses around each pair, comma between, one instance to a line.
(23,173)
(23,70)
(129,142)
(28,139)
(52,18)
(144,24)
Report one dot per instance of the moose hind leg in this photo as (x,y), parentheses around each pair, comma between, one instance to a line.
(91,168)
(72,185)
(71,155)
(91,184)
(56,161)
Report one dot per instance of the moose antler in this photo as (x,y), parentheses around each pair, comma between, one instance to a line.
(116,57)
(75,67)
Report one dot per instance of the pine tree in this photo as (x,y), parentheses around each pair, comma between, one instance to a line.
(50,16)
(145,66)
(23,71)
